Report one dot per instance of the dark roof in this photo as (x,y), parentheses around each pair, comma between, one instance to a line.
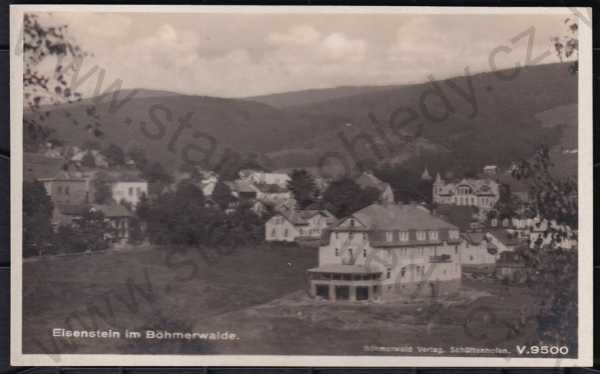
(270,188)
(474,238)
(37,166)
(505,237)
(461,216)
(400,217)
(112,211)
(72,209)
(109,211)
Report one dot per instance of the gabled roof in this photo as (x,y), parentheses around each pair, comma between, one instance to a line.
(301,217)
(400,217)
(37,166)
(112,211)
(505,237)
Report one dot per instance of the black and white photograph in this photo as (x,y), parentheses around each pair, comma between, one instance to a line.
(294,185)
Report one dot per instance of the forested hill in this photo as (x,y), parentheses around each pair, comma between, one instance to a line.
(477,119)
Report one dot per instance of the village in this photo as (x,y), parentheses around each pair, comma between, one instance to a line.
(378,248)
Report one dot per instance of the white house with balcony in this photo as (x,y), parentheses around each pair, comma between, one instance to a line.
(482,193)
(386,252)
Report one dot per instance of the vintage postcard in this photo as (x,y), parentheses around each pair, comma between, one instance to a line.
(301,186)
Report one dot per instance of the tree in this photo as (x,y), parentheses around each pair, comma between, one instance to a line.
(114,155)
(407,184)
(156,173)
(41,43)
(37,224)
(507,204)
(555,269)
(94,230)
(102,189)
(88,160)
(344,196)
(138,155)
(303,187)
(567,46)
(222,195)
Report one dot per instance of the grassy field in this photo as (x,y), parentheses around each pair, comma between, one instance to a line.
(258,294)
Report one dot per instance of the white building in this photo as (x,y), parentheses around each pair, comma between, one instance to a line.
(128,188)
(288,226)
(387,251)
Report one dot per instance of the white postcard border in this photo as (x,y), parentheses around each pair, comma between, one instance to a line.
(585,185)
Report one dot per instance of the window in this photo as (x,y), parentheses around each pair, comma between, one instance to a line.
(389,236)
(364,236)
(337,252)
(471,258)
(388,273)
(66,190)
(350,252)
(403,272)
(420,235)
(364,253)
(433,235)
(351,223)
(351,235)
(273,233)
(285,233)
(59,189)
(404,236)
(138,191)
(453,234)
(130,191)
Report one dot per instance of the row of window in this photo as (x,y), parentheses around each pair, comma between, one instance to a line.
(404,236)
(419,270)
(351,252)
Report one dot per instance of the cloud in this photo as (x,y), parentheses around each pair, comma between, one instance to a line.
(206,55)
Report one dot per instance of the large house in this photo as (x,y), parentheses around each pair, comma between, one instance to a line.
(65,188)
(292,225)
(116,216)
(387,251)
(368,180)
(482,193)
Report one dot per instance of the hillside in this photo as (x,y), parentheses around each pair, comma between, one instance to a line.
(152,120)
(307,97)
(493,122)
(487,120)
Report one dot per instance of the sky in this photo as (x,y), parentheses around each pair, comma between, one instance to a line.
(243,54)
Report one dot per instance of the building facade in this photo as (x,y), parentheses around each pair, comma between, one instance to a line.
(289,226)
(129,189)
(481,193)
(386,252)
